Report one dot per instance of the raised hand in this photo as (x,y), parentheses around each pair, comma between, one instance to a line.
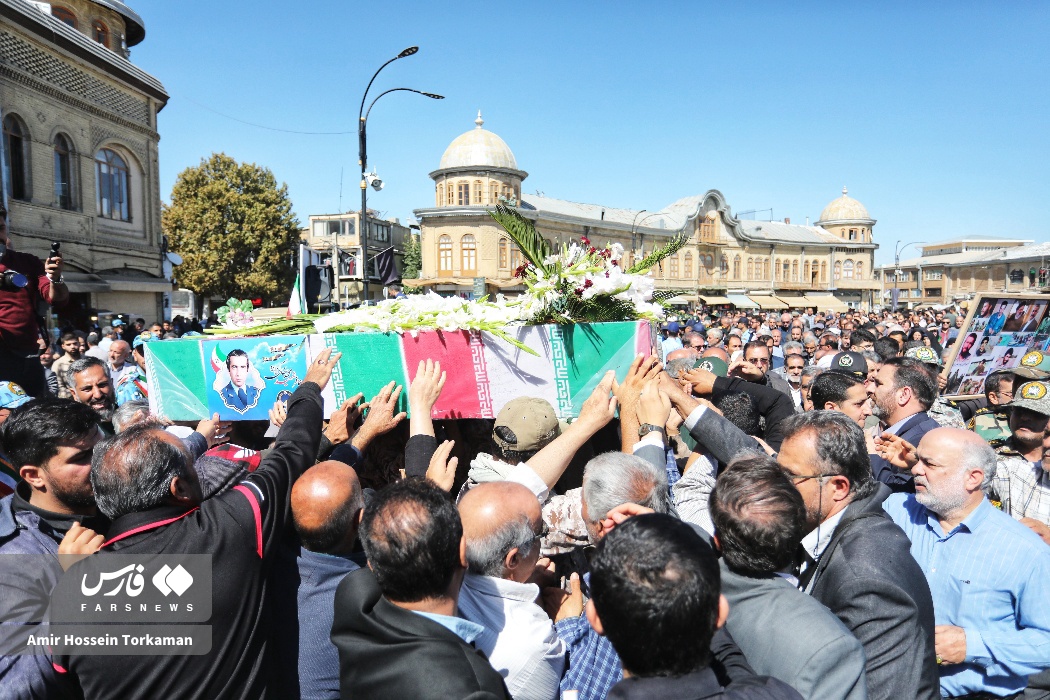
(341,426)
(381,417)
(442,470)
(321,370)
(216,431)
(423,393)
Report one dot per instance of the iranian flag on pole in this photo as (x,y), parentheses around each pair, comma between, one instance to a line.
(295,303)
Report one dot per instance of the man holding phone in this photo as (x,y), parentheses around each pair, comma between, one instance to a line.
(25,281)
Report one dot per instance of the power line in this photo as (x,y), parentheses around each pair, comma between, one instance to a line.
(269,128)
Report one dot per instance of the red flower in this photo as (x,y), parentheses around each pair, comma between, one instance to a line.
(521,270)
(584,240)
(588,283)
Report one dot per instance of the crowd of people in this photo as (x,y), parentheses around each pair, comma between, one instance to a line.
(770,505)
(767,506)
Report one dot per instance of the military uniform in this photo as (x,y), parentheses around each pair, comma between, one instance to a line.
(944,411)
(1021,486)
(991,423)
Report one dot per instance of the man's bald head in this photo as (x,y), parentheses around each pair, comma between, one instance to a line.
(680,353)
(326,505)
(717,352)
(502,522)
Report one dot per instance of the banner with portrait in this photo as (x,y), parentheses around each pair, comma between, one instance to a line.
(998,333)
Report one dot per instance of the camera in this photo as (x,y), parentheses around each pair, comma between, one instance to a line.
(12,280)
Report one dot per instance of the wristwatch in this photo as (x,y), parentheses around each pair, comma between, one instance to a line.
(646,428)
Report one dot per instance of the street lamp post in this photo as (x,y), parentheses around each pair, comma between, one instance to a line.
(897,269)
(362,144)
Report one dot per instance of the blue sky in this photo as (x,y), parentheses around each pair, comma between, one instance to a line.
(933,114)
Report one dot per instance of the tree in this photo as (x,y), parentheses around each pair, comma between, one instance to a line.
(235,230)
(412,260)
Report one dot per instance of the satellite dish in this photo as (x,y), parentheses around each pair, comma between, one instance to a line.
(174,258)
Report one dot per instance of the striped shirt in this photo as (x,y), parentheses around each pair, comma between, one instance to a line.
(991,576)
(1023,487)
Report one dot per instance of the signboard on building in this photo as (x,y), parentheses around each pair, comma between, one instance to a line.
(479,288)
(999,333)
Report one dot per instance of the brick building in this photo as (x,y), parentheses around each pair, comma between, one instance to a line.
(79,151)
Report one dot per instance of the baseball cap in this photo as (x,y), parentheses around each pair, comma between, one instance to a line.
(851,363)
(116,323)
(673,327)
(1035,396)
(924,354)
(141,339)
(12,395)
(525,424)
(715,365)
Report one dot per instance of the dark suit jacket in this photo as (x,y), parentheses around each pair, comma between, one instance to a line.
(722,439)
(388,652)
(771,404)
(233,400)
(912,431)
(786,634)
(868,578)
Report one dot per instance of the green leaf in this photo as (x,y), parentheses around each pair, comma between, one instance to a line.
(672,247)
(523,232)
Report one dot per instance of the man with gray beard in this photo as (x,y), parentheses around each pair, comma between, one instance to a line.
(88,379)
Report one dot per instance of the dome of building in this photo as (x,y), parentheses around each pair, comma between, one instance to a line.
(478,148)
(845,208)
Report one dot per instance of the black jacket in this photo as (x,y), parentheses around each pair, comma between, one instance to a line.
(913,430)
(388,652)
(773,405)
(701,685)
(243,530)
(868,578)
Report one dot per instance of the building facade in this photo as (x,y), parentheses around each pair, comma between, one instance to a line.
(79,152)
(328,231)
(764,264)
(959,269)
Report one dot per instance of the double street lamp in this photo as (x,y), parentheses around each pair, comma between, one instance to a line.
(362,143)
(897,269)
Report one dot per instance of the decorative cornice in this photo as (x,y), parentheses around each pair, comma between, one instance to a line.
(478,170)
(63,96)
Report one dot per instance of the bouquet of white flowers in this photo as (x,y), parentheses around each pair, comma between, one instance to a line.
(582,284)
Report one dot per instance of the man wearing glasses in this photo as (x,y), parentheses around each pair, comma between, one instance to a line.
(857,561)
(755,366)
(993,421)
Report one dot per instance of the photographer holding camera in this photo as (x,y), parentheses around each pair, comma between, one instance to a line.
(25,281)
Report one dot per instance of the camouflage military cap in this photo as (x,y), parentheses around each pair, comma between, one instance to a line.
(715,365)
(1035,396)
(924,354)
(1034,359)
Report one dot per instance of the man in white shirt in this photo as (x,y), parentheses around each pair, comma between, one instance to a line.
(503,526)
(119,352)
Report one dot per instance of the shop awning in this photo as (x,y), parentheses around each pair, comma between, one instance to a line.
(711,300)
(767,303)
(799,302)
(153,285)
(81,282)
(681,300)
(827,302)
(741,302)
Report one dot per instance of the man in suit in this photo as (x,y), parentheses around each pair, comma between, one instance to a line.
(857,561)
(901,392)
(238,395)
(395,624)
(759,518)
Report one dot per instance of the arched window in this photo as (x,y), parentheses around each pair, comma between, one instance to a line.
(674,267)
(503,253)
(751,268)
(63,173)
(687,266)
(445,256)
(860,270)
(824,271)
(440,194)
(736,267)
(794,270)
(451,199)
(765,268)
(805,272)
(16,143)
(64,15)
(493,192)
(515,256)
(100,33)
(464,193)
(112,185)
(847,269)
(838,270)
(724,264)
(777,267)
(468,249)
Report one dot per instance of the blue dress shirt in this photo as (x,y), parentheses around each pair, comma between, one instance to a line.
(991,576)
